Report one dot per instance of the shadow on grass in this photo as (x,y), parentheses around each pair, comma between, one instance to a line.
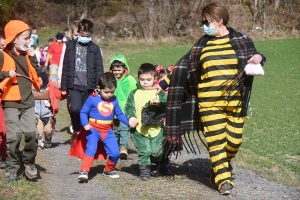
(195,169)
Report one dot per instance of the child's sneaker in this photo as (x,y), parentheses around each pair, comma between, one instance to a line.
(31,171)
(111,174)
(41,142)
(10,176)
(83,176)
(48,142)
(2,163)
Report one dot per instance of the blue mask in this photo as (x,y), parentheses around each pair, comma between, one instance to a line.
(210,30)
(84,40)
(75,37)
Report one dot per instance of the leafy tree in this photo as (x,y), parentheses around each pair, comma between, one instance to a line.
(7,11)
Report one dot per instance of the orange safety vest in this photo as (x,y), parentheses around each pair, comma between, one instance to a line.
(11,91)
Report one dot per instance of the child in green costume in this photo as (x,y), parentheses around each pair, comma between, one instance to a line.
(125,84)
(148,139)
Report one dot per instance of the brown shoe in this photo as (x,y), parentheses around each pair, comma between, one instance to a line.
(225,189)
(30,171)
(123,153)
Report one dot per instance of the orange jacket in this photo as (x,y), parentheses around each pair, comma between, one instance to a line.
(11,91)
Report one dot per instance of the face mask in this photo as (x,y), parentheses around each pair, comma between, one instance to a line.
(210,30)
(59,41)
(75,37)
(84,40)
(22,47)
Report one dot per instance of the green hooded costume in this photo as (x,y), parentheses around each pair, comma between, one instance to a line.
(125,84)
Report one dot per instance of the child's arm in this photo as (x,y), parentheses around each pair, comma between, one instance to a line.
(119,114)
(130,110)
(85,111)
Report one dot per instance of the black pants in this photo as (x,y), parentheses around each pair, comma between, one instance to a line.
(76,99)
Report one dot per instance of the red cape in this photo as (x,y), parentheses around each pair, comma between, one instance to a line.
(79,146)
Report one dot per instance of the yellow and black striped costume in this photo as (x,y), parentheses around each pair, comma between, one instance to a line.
(220,114)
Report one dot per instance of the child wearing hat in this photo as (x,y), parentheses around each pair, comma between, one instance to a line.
(18,66)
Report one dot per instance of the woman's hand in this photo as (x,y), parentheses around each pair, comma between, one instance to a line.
(63,92)
(256,59)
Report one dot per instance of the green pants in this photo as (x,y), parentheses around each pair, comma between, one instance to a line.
(20,121)
(121,133)
(149,149)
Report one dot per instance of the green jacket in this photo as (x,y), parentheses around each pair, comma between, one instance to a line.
(135,103)
(124,85)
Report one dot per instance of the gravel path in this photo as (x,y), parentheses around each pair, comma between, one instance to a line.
(190,180)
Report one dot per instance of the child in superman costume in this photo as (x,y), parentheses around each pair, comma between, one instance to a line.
(96,117)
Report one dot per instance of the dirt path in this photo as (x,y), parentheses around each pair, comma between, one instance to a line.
(190,180)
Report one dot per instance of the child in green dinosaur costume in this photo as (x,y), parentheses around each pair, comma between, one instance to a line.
(125,84)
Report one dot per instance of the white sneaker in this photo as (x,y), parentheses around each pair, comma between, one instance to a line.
(111,174)
(83,175)
(71,129)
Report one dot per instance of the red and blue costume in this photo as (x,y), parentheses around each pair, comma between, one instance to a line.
(99,114)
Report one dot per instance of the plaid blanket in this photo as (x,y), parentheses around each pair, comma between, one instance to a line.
(182,117)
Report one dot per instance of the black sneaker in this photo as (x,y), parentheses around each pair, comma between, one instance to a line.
(10,176)
(83,176)
(30,171)
(225,189)
(2,164)
(154,169)
(111,174)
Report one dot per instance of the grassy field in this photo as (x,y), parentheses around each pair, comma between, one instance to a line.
(271,135)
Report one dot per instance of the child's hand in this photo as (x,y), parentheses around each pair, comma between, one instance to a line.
(155,102)
(133,122)
(30,52)
(87,127)
(12,73)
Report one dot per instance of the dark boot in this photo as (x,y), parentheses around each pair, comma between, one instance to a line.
(155,169)
(145,172)
(165,168)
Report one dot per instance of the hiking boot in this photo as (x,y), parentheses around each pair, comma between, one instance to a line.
(48,142)
(111,174)
(10,176)
(83,175)
(145,172)
(225,189)
(30,171)
(2,164)
(165,168)
(154,169)
(41,143)
(123,153)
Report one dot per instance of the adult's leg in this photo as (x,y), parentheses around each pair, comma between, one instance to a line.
(74,102)
(214,120)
